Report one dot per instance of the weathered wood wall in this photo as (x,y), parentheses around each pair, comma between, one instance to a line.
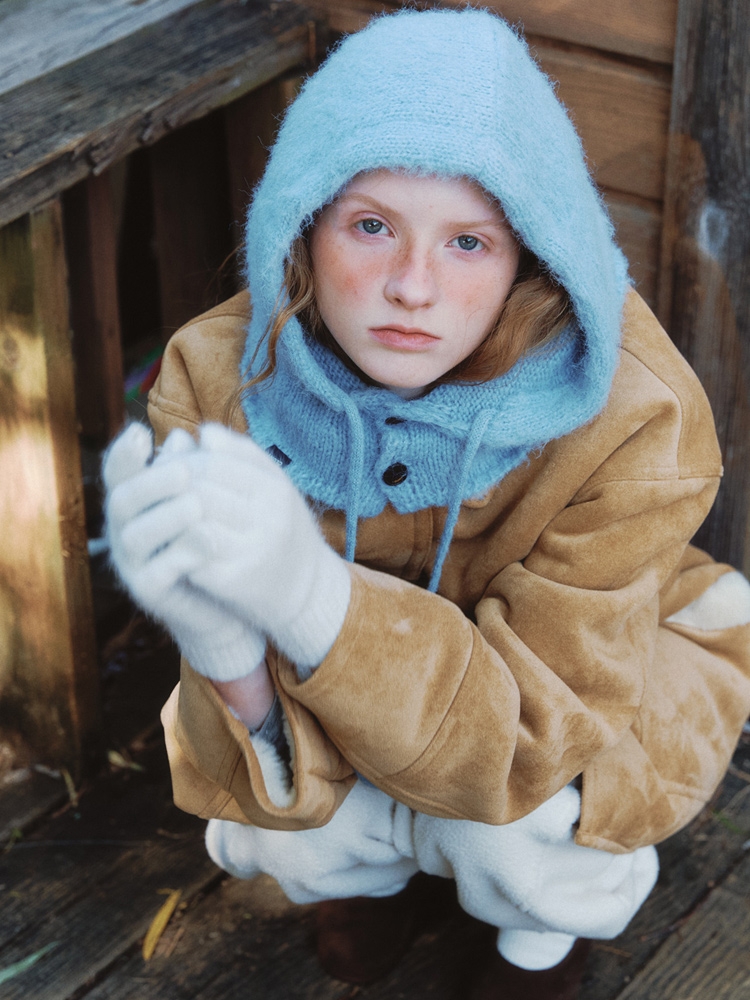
(48,671)
(84,116)
(70,114)
(704,294)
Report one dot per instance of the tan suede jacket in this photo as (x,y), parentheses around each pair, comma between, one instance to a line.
(544,656)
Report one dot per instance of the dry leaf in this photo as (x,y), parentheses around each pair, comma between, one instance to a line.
(159,923)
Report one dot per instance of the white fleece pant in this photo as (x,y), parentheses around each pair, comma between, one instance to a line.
(527,876)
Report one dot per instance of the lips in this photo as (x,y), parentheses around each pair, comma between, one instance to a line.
(403,338)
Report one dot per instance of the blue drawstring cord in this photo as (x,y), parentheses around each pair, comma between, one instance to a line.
(356,475)
(473,443)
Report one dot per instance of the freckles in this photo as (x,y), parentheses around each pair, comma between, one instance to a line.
(487,293)
(470,296)
(356,278)
(350,280)
(332,268)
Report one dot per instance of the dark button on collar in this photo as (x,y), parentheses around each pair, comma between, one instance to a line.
(395,474)
(394,420)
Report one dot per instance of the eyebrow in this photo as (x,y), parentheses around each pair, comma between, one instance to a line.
(368,200)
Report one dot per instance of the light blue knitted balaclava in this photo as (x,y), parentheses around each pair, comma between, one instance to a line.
(452,93)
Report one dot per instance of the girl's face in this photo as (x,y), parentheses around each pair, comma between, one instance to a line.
(411,273)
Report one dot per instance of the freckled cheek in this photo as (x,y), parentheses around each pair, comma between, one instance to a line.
(355,281)
(478,298)
(351,283)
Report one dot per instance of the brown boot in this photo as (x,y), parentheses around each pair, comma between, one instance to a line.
(499,980)
(362,939)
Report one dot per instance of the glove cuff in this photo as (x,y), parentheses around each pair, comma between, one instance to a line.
(222,655)
(307,639)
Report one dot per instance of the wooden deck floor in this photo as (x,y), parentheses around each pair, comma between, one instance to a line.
(83,883)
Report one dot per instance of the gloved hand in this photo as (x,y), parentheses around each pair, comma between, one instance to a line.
(266,558)
(148,508)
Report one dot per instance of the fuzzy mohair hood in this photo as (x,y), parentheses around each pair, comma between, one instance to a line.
(450,93)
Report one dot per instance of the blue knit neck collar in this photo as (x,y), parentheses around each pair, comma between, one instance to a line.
(339,436)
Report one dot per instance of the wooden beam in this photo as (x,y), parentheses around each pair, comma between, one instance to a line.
(48,673)
(621,112)
(91,245)
(704,283)
(251,124)
(79,119)
(192,220)
(72,29)
(641,28)
(638,232)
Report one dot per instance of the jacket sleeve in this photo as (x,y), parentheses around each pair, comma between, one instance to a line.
(217,772)
(487,720)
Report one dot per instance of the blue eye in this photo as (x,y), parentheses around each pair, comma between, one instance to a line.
(466,242)
(371,226)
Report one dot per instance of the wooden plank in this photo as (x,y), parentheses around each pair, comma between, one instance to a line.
(691,863)
(710,956)
(251,124)
(705,266)
(229,944)
(26,798)
(72,29)
(49,687)
(91,249)
(638,232)
(248,940)
(92,883)
(621,113)
(638,28)
(192,219)
(641,28)
(239,939)
(77,120)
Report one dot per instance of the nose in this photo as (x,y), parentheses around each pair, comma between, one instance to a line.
(411,282)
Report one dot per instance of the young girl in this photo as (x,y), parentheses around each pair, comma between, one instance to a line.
(434,589)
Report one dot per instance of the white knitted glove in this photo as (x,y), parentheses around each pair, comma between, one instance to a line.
(266,556)
(147,510)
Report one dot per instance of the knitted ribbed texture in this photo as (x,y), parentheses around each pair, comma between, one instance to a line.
(301,412)
(221,654)
(452,93)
